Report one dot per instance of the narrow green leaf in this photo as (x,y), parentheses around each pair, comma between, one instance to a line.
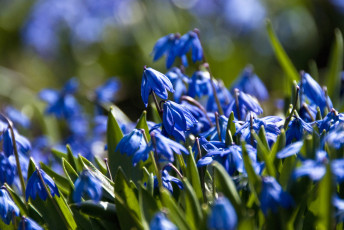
(193,176)
(127,218)
(101,210)
(335,67)
(82,220)
(278,146)
(66,211)
(264,154)
(174,212)
(230,128)
(326,191)
(116,159)
(142,124)
(148,206)
(17,200)
(155,113)
(225,184)
(70,158)
(101,165)
(281,55)
(287,170)
(71,174)
(126,193)
(193,210)
(262,137)
(31,168)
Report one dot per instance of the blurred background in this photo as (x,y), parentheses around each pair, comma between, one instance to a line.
(43,43)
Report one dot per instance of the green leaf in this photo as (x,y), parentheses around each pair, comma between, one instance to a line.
(281,55)
(155,113)
(148,206)
(254,180)
(71,174)
(326,191)
(278,146)
(101,165)
(66,211)
(225,184)
(142,124)
(193,212)
(116,159)
(335,67)
(193,176)
(263,153)
(82,220)
(287,170)
(61,182)
(126,193)
(107,184)
(70,158)
(31,168)
(101,210)
(174,212)
(230,129)
(127,218)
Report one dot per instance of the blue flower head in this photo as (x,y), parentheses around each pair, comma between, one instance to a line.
(313,91)
(106,92)
(222,94)
(28,224)
(200,84)
(250,83)
(23,144)
(296,128)
(166,181)
(153,80)
(7,207)
(177,119)
(17,117)
(87,186)
(160,222)
(179,81)
(8,170)
(223,215)
(191,41)
(35,186)
(62,104)
(132,142)
(332,120)
(272,196)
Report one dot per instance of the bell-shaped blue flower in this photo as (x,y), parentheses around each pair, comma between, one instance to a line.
(28,224)
(8,170)
(332,120)
(35,186)
(200,84)
(87,186)
(290,150)
(160,222)
(177,119)
(223,95)
(153,80)
(17,117)
(23,143)
(132,142)
(166,181)
(272,196)
(250,83)
(106,92)
(296,128)
(223,215)
(191,41)
(179,82)
(8,209)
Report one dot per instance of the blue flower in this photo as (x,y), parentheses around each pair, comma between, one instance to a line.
(179,81)
(166,181)
(160,222)
(335,138)
(313,91)
(153,80)
(28,224)
(177,119)
(17,117)
(245,104)
(222,94)
(87,186)
(35,186)
(132,142)
(200,84)
(250,83)
(223,215)
(7,207)
(191,41)
(296,128)
(163,146)
(8,170)
(330,121)
(106,92)
(62,104)
(23,144)
(290,150)
(272,196)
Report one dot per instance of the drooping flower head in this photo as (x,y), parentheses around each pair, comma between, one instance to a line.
(166,181)
(8,170)
(106,92)
(7,207)
(191,41)
(223,215)
(35,186)
(87,186)
(153,80)
(160,222)
(177,119)
(132,142)
(179,81)
(296,128)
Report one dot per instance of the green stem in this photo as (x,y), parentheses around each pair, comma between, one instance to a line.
(218,126)
(108,168)
(287,120)
(155,159)
(236,96)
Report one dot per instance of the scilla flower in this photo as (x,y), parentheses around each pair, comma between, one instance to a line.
(7,207)
(160,222)
(191,41)
(8,170)
(87,186)
(223,215)
(28,224)
(132,142)
(177,119)
(153,80)
(35,186)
